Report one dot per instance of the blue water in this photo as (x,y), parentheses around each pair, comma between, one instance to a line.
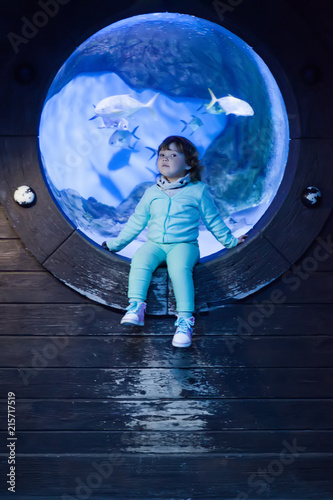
(176,58)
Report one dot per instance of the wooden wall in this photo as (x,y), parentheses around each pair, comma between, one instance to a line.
(107,412)
(104,411)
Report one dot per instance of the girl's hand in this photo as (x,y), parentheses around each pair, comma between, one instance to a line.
(242,238)
(104,245)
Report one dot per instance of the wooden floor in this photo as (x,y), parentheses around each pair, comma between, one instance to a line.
(106,412)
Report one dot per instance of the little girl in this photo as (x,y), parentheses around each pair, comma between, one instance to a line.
(172,209)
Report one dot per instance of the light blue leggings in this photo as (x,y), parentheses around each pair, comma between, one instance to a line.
(180,259)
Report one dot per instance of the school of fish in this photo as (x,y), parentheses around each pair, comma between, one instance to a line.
(114,112)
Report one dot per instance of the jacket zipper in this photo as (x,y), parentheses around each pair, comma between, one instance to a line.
(165,220)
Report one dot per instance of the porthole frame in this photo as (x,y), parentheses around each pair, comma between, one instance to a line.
(276,242)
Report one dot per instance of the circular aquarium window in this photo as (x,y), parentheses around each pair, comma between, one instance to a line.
(140,80)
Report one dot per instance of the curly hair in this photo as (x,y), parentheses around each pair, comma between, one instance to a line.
(189,151)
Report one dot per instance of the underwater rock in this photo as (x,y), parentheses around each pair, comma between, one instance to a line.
(235,169)
(94,217)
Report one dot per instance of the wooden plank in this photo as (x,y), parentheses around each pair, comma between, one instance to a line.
(92,319)
(89,319)
(180,415)
(38,286)
(298,286)
(156,351)
(101,275)
(289,475)
(14,257)
(240,441)
(6,229)
(264,317)
(152,383)
(41,227)
(41,287)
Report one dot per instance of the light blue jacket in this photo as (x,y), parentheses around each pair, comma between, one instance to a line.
(174,219)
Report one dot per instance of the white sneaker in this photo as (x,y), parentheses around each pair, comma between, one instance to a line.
(135,314)
(183,335)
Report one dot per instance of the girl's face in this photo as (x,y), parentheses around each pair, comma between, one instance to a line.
(171,163)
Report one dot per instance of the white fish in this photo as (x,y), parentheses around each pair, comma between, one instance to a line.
(194,124)
(122,105)
(122,138)
(229,105)
(120,124)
